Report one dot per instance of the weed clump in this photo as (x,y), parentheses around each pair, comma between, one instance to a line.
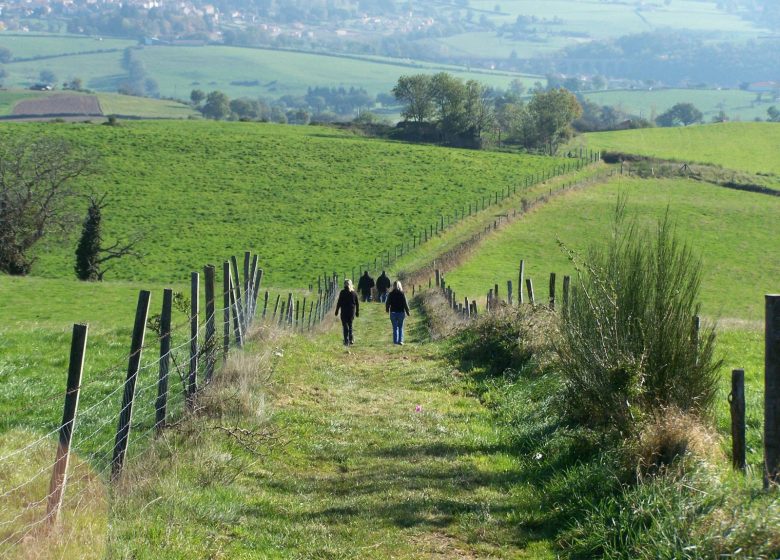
(509,338)
(628,347)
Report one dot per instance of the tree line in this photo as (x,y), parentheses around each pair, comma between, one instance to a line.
(444,108)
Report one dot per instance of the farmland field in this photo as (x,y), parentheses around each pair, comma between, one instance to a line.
(751,147)
(562,23)
(59,104)
(178,70)
(729,229)
(307,199)
(736,104)
(30,45)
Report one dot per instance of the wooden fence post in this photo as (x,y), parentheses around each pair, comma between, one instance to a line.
(265,303)
(258,281)
(225,310)
(235,304)
(59,475)
(566,287)
(128,396)
(737,405)
(509,292)
(772,391)
(247,286)
(209,273)
(192,383)
(237,289)
(255,277)
(530,285)
(437,273)
(552,291)
(161,405)
(520,282)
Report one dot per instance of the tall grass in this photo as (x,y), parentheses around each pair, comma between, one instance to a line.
(627,343)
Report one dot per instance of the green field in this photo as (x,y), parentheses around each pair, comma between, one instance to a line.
(729,229)
(9,98)
(31,45)
(563,23)
(178,70)
(736,104)
(307,199)
(111,103)
(144,107)
(751,147)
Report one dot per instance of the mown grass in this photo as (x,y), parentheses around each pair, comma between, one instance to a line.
(730,229)
(308,200)
(749,147)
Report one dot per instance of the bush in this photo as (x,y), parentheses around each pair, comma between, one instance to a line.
(627,345)
(509,338)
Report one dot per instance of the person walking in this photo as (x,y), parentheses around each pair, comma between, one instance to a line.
(364,286)
(382,286)
(398,308)
(350,308)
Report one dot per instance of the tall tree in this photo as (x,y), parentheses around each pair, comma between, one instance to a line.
(449,96)
(680,114)
(37,177)
(91,254)
(416,92)
(549,117)
(479,108)
(217,106)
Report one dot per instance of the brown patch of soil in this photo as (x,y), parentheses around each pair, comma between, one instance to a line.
(64,104)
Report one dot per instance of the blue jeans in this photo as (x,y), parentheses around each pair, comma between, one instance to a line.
(383,297)
(397,319)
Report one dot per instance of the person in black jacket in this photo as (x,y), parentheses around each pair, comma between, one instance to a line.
(364,286)
(350,308)
(382,286)
(399,309)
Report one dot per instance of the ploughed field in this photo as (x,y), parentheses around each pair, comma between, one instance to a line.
(62,104)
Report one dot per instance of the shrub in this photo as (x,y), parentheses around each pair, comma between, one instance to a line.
(627,344)
(509,338)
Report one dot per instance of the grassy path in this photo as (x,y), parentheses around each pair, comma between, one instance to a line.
(384,459)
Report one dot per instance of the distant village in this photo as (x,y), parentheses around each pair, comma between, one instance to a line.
(21,15)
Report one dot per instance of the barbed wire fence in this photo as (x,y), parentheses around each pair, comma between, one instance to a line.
(157,392)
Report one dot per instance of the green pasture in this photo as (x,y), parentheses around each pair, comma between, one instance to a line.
(144,107)
(751,147)
(111,103)
(736,104)
(30,45)
(9,99)
(731,230)
(308,200)
(578,20)
(178,70)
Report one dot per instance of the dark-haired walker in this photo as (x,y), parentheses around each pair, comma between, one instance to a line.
(398,308)
(350,308)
